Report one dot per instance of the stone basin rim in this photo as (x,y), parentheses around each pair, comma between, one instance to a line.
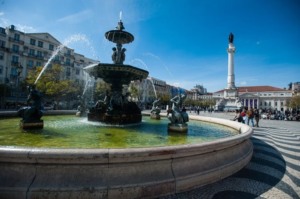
(245,133)
(108,173)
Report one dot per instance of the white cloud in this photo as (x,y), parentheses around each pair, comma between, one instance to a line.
(77,17)
(25,28)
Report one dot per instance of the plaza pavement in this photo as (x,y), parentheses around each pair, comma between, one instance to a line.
(273,172)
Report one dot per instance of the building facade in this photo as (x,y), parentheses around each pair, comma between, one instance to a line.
(21,52)
(261,97)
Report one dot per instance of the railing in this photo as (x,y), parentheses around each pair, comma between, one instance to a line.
(16,41)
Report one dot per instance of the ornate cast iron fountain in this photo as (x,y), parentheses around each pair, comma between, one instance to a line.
(115,107)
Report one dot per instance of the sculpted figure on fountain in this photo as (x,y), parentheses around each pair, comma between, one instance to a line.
(155,111)
(31,116)
(177,115)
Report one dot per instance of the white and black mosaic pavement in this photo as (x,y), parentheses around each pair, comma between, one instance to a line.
(273,172)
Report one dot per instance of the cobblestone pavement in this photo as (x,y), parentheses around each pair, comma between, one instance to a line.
(273,172)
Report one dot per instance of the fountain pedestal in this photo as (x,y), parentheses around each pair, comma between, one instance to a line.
(32,125)
(127,114)
(177,127)
(155,116)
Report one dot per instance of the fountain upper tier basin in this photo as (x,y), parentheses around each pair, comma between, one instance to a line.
(117,74)
(119,36)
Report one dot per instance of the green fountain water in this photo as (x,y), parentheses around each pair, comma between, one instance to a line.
(74,132)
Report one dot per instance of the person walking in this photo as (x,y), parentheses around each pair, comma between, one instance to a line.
(250,115)
(256,117)
(243,115)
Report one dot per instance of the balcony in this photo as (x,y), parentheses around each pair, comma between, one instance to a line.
(14,63)
(16,41)
(4,49)
(14,51)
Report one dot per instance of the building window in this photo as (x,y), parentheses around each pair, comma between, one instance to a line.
(1,69)
(38,63)
(39,54)
(77,71)
(281,103)
(15,59)
(275,103)
(51,47)
(265,103)
(32,42)
(68,62)
(269,103)
(30,64)
(2,43)
(2,30)
(68,73)
(56,58)
(31,52)
(1,56)
(40,44)
(17,37)
(15,48)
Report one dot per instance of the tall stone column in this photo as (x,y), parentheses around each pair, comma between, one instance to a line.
(231,51)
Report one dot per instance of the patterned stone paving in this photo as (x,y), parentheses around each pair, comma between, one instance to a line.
(273,172)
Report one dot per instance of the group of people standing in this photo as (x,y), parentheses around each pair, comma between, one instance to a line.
(247,116)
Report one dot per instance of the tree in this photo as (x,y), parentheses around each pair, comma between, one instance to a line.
(51,85)
(101,88)
(134,91)
(294,102)
(165,99)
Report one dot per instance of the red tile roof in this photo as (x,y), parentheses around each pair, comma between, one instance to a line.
(254,89)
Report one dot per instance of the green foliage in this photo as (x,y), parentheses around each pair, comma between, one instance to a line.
(101,88)
(51,84)
(165,99)
(294,102)
(133,89)
(203,103)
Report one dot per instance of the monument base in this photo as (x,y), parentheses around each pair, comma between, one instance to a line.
(32,125)
(155,116)
(177,127)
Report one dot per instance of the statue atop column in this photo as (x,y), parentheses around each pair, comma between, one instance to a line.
(230,38)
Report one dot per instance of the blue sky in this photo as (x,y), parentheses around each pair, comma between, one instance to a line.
(183,42)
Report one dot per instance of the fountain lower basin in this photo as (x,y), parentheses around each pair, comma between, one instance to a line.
(122,173)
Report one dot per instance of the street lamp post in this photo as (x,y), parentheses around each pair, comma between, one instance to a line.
(19,72)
